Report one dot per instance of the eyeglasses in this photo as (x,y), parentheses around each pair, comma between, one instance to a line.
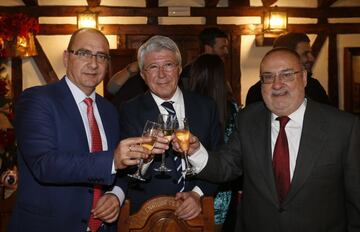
(167,67)
(284,76)
(86,55)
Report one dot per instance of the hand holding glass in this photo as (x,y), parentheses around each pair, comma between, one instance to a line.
(167,125)
(151,129)
(182,134)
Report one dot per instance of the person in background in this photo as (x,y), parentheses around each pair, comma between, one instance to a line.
(213,40)
(299,158)
(300,43)
(207,77)
(69,149)
(160,65)
(126,84)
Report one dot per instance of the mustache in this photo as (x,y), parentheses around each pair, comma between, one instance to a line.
(279,92)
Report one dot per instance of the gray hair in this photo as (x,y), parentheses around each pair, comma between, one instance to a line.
(155,44)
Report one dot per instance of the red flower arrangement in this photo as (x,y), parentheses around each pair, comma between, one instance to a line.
(19,24)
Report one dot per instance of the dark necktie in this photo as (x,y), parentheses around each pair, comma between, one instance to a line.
(96,145)
(281,161)
(168,105)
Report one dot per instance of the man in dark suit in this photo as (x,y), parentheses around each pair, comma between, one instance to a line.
(300,43)
(160,65)
(68,147)
(304,176)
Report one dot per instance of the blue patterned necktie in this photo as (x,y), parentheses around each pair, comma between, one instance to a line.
(168,106)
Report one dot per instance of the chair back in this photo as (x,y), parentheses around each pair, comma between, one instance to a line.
(157,214)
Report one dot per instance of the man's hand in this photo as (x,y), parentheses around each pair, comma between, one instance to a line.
(107,208)
(190,207)
(129,152)
(193,146)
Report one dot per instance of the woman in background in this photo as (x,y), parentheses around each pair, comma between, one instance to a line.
(207,77)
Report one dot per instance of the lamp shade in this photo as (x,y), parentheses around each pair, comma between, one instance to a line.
(87,19)
(275,21)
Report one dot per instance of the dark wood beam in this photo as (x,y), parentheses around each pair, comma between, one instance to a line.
(333,83)
(268,3)
(16,77)
(152,3)
(30,2)
(318,43)
(136,29)
(44,65)
(233,3)
(211,3)
(93,3)
(37,11)
(325,3)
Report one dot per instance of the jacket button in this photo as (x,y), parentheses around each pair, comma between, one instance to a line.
(281,209)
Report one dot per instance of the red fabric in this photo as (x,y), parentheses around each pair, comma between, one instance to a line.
(96,145)
(281,161)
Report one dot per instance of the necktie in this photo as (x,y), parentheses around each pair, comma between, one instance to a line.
(96,145)
(168,105)
(281,161)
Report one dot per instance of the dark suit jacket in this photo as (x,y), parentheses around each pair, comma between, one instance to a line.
(203,122)
(325,190)
(56,170)
(313,90)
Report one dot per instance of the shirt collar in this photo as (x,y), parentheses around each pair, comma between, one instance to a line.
(297,117)
(175,98)
(77,93)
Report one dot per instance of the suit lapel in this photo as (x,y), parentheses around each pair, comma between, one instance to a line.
(151,110)
(261,131)
(311,144)
(71,110)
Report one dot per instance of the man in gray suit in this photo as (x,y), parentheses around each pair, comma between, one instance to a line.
(317,187)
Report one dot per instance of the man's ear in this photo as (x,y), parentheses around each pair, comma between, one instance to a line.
(65,58)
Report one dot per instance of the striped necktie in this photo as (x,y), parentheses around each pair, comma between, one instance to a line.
(96,145)
(168,105)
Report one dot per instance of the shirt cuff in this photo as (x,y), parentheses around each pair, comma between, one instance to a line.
(199,159)
(198,191)
(119,193)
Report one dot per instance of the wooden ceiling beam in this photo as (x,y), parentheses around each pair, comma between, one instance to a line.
(30,2)
(325,3)
(139,29)
(93,3)
(268,3)
(211,3)
(38,11)
(152,3)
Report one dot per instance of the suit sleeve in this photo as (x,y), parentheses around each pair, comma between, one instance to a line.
(41,145)
(352,178)
(215,141)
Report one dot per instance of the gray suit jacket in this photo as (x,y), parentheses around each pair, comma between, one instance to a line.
(325,190)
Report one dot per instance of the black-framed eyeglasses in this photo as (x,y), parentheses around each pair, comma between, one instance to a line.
(86,55)
(166,67)
(284,76)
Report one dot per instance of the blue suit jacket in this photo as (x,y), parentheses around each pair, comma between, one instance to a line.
(56,170)
(203,122)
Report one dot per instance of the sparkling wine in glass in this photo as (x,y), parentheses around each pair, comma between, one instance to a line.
(151,129)
(182,133)
(167,126)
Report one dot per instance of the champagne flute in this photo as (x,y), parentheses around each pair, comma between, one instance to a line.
(167,125)
(182,133)
(150,130)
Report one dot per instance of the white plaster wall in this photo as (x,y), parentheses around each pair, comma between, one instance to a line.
(250,58)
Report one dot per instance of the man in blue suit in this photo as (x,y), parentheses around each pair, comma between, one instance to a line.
(160,65)
(68,149)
